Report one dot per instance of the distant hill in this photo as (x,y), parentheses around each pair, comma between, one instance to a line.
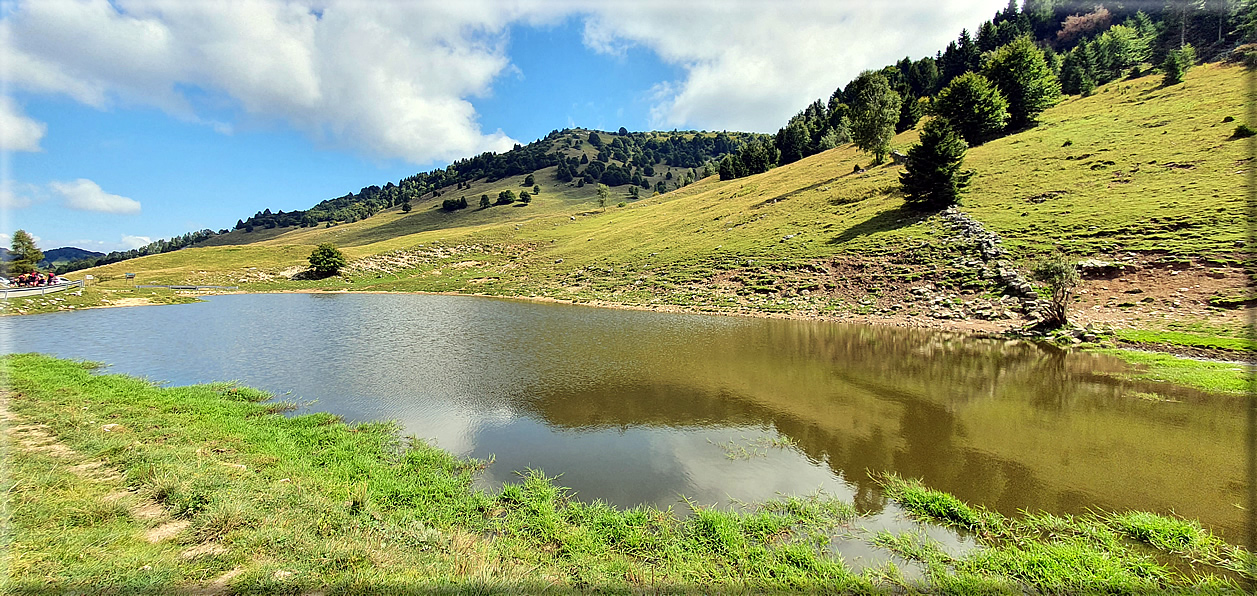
(576,157)
(56,256)
(66,254)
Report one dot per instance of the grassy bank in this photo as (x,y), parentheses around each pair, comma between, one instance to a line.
(1213,376)
(115,485)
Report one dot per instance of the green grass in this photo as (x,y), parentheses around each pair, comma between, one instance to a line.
(90,297)
(1065,554)
(1185,339)
(308,503)
(1217,377)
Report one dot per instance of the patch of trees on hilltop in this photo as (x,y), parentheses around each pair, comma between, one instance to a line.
(152,248)
(628,158)
(1018,62)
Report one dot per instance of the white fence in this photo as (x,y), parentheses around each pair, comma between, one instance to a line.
(12,292)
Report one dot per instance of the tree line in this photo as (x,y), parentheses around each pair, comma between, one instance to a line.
(152,248)
(1000,79)
(628,158)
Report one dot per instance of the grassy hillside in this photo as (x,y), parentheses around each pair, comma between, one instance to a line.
(1137,171)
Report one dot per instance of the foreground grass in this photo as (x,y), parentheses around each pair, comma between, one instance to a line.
(246,499)
(1096,553)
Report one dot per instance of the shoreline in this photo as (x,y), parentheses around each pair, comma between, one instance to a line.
(985,329)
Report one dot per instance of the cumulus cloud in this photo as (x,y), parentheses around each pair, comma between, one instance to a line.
(389,78)
(85,195)
(17,131)
(396,79)
(12,200)
(752,65)
(132,242)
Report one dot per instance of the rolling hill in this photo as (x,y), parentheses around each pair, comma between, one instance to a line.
(1147,180)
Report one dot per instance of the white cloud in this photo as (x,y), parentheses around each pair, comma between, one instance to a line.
(390,78)
(395,79)
(17,131)
(85,195)
(12,200)
(752,65)
(130,242)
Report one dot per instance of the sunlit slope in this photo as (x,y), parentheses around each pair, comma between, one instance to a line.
(1134,167)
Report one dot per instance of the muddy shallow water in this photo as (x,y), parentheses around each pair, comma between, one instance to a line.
(637,407)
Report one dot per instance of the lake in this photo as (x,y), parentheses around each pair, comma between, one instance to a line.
(636,407)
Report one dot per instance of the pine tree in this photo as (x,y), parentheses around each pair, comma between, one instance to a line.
(26,256)
(932,179)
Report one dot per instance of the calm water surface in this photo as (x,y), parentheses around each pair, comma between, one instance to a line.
(639,407)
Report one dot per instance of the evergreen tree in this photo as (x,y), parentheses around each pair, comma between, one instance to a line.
(909,114)
(932,179)
(26,256)
(1176,64)
(1074,76)
(974,107)
(793,141)
(874,112)
(727,170)
(1022,74)
(484,201)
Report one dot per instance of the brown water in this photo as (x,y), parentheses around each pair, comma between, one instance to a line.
(638,407)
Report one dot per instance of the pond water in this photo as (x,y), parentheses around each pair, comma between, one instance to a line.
(640,407)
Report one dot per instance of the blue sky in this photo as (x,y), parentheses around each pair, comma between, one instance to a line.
(127,121)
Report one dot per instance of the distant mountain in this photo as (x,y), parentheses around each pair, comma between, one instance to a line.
(57,256)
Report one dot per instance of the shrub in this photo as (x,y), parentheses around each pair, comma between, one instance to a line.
(326,259)
(1244,131)
(1060,275)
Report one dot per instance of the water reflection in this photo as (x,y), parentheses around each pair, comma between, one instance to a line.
(637,407)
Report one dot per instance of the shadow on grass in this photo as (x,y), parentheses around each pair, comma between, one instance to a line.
(891,219)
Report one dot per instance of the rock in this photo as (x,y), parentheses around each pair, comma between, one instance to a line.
(113,428)
(1216,274)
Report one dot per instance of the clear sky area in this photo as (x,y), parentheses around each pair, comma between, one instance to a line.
(126,121)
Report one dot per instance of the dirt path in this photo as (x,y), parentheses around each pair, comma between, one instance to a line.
(156,523)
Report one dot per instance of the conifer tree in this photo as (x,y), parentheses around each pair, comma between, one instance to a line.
(932,179)
(26,256)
